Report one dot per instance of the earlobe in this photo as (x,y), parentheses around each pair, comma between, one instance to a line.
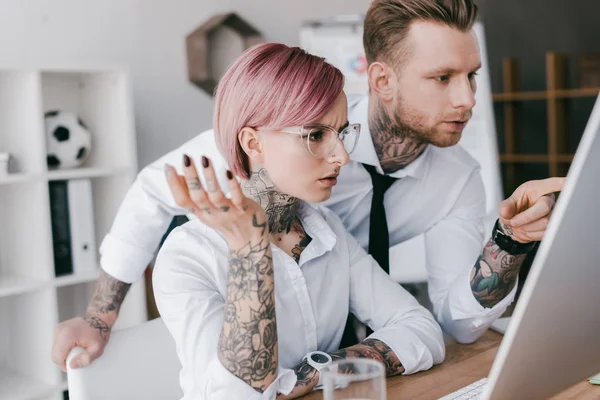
(381,81)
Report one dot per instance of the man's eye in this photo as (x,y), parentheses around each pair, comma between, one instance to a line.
(472,75)
(443,78)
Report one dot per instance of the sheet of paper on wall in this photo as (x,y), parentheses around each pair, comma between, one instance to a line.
(339,41)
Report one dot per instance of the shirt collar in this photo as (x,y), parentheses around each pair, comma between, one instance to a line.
(365,153)
(315,225)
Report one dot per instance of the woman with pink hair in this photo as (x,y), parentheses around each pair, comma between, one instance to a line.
(256,290)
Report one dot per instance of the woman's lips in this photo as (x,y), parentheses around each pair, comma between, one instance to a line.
(331,181)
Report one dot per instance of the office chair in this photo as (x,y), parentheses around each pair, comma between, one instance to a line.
(138,363)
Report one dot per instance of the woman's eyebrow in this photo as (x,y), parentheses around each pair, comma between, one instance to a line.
(344,126)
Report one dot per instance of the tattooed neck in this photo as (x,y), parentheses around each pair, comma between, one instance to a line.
(396,146)
(280,208)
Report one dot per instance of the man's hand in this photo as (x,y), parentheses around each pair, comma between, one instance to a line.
(88,331)
(91,330)
(525,214)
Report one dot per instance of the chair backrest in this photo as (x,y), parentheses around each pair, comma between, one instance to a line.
(138,363)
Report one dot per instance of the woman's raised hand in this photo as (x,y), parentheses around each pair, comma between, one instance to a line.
(238,218)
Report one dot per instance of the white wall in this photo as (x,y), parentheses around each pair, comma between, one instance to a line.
(148,36)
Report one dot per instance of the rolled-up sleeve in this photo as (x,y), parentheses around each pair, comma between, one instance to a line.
(394,315)
(146,212)
(452,247)
(192,307)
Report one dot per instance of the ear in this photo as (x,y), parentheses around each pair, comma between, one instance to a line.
(249,140)
(382,81)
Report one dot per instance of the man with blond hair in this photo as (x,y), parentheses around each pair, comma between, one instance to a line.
(407,177)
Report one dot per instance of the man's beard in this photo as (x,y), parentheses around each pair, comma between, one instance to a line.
(411,124)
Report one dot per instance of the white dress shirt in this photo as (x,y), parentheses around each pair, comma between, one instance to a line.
(312,299)
(440,195)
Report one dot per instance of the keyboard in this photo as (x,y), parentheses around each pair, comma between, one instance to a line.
(471,392)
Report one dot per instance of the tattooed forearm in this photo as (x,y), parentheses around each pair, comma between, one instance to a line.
(248,340)
(494,274)
(280,208)
(108,297)
(395,143)
(374,349)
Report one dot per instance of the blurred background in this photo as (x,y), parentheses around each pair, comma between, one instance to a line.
(131,79)
(148,36)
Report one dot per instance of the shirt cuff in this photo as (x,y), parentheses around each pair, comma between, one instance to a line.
(123,261)
(224,385)
(463,304)
(408,347)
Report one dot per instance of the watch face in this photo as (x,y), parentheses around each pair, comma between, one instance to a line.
(319,358)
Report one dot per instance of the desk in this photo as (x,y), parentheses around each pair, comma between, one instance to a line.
(464,365)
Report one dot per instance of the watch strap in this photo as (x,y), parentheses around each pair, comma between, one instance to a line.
(506,243)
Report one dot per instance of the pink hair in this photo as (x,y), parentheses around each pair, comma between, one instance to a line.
(271,85)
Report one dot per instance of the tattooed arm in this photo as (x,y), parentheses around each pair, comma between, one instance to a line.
(523,217)
(91,330)
(104,307)
(494,275)
(248,340)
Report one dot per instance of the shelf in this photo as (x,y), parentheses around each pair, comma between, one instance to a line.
(546,94)
(76,279)
(16,178)
(77,173)
(535,158)
(14,285)
(19,387)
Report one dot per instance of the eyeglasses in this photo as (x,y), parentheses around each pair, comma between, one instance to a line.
(320,140)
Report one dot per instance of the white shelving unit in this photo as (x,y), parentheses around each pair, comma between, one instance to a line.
(32,299)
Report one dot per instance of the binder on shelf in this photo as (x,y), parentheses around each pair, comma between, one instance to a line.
(72,218)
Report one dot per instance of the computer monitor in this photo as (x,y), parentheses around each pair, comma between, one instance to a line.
(553,340)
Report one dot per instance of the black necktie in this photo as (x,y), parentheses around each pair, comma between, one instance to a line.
(379,240)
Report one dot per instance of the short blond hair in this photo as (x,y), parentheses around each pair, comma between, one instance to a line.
(387,24)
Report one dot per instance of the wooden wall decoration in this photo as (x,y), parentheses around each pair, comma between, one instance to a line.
(198,47)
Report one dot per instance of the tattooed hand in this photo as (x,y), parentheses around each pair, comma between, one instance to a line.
(525,214)
(237,219)
(92,330)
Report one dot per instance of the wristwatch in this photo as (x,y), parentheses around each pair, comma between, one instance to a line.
(318,360)
(506,243)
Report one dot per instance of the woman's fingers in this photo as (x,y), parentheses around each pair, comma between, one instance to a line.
(179,189)
(214,192)
(237,196)
(196,192)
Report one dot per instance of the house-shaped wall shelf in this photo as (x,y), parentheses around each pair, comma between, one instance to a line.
(199,47)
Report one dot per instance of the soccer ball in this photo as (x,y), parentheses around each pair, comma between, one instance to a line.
(68,140)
